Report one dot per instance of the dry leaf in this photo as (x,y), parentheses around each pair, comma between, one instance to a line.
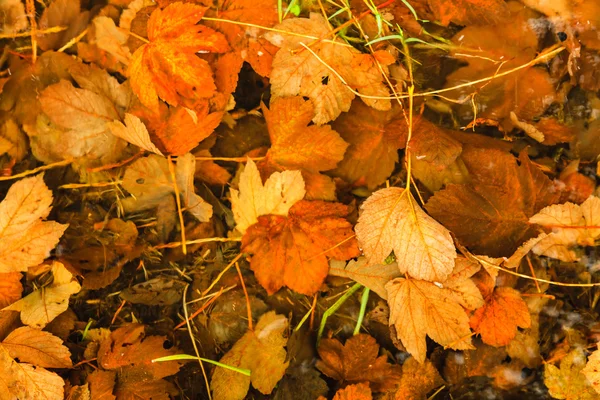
(359,391)
(374,137)
(43,305)
(498,319)
(63,13)
(418,379)
(567,224)
(293,251)
(297,146)
(25,239)
(262,352)
(469,12)
(592,370)
(14,19)
(419,309)
(27,382)
(357,361)
(569,382)
(391,220)
(36,347)
(279,193)
(10,288)
(372,276)
(134,131)
(296,71)
(167,67)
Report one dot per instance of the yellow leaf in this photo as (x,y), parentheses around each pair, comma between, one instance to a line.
(419,309)
(391,220)
(279,193)
(592,370)
(37,347)
(25,239)
(568,382)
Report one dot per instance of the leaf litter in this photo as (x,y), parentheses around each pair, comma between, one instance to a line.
(241,199)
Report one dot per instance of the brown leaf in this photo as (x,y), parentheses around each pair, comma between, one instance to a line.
(62,13)
(297,146)
(418,379)
(38,348)
(469,12)
(102,384)
(293,251)
(498,319)
(359,391)
(357,361)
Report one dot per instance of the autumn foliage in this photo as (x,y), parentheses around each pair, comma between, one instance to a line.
(348,200)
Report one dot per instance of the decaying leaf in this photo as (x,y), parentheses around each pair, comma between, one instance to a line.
(293,251)
(167,67)
(592,370)
(279,193)
(43,305)
(498,319)
(262,352)
(391,220)
(569,382)
(296,71)
(418,379)
(469,12)
(25,238)
(357,361)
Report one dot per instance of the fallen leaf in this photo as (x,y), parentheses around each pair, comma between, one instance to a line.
(592,370)
(567,225)
(359,391)
(569,382)
(26,381)
(469,12)
(102,384)
(293,251)
(110,39)
(419,309)
(472,363)
(418,379)
(262,351)
(357,361)
(374,137)
(63,13)
(301,383)
(10,288)
(279,193)
(185,170)
(155,292)
(372,276)
(391,220)
(297,146)
(12,140)
(15,19)
(501,197)
(167,67)
(296,71)
(36,347)
(134,131)
(498,319)
(25,238)
(41,306)
(459,285)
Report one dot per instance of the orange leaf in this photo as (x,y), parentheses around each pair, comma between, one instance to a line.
(357,361)
(10,288)
(418,380)
(292,251)
(168,67)
(467,12)
(297,146)
(38,348)
(498,319)
(360,391)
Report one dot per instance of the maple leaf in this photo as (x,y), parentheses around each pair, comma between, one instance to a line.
(374,137)
(27,381)
(43,305)
(592,370)
(498,319)
(418,379)
(10,288)
(501,197)
(149,180)
(129,352)
(359,391)
(262,351)
(391,220)
(569,382)
(357,361)
(279,193)
(419,308)
(167,67)
(293,251)
(296,71)
(467,12)
(25,238)
(297,146)
(37,347)
(372,276)
(567,223)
